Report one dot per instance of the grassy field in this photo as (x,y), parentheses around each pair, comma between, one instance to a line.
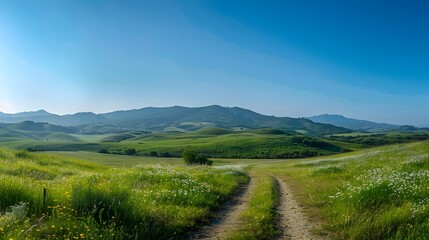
(259,218)
(50,197)
(214,142)
(380,193)
(116,160)
(376,193)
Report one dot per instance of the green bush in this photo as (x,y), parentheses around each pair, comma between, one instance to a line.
(103,150)
(191,157)
(130,151)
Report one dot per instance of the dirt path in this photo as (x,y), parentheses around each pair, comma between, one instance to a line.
(293,223)
(228,217)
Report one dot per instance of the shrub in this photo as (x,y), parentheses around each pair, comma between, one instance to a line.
(166,154)
(21,154)
(191,157)
(103,150)
(130,151)
(30,149)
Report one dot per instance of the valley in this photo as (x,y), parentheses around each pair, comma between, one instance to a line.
(265,183)
(332,196)
(214,120)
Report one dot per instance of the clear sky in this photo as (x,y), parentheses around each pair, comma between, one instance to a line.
(365,59)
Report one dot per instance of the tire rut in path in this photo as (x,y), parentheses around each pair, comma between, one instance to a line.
(292,222)
(228,218)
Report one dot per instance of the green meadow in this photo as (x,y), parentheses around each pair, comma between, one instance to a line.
(379,193)
(214,120)
(213,142)
(354,192)
(51,197)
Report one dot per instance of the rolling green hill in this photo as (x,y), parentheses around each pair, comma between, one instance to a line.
(159,119)
(214,142)
(362,125)
(118,137)
(43,116)
(100,128)
(175,119)
(211,141)
(41,127)
(29,130)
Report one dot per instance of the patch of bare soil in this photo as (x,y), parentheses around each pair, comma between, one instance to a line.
(293,223)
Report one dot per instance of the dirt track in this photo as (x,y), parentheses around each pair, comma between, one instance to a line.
(228,217)
(292,222)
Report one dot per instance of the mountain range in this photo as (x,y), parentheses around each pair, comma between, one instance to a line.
(184,119)
(361,125)
(173,119)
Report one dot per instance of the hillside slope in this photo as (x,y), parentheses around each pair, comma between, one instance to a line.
(40,127)
(360,125)
(224,117)
(173,119)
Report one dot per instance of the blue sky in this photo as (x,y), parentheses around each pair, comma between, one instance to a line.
(364,59)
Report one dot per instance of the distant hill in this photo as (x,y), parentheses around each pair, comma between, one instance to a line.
(100,128)
(172,119)
(38,113)
(158,119)
(36,131)
(360,125)
(39,127)
(43,116)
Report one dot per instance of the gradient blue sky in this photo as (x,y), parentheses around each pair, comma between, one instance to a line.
(363,59)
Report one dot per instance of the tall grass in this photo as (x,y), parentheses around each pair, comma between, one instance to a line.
(259,218)
(377,194)
(86,201)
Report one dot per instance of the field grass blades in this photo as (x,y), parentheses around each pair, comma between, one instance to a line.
(258,220)
(45,197)
(380,193)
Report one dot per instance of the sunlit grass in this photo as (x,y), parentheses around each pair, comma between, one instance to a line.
(49,197)
(258,221)
(381,193)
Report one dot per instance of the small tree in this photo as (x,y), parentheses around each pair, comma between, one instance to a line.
(191,157)
(103,150)
(130,151)
(201,159)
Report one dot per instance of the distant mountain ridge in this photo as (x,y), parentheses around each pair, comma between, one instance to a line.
(360,125)
(178,118)
(226,117)
(44,116)
(40,127)
(25,114)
